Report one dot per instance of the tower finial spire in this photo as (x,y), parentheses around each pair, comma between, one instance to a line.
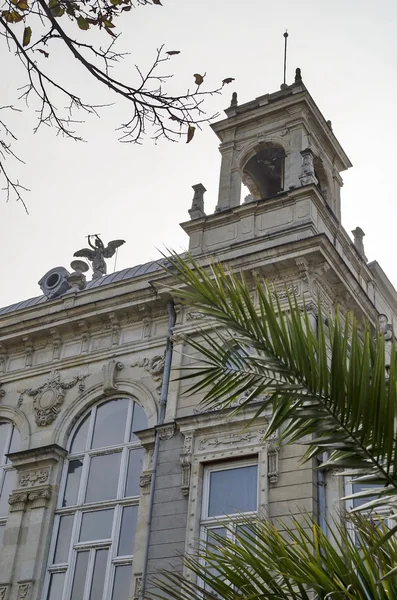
(285,56)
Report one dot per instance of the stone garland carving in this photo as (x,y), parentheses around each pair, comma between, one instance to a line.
(2,393)
(154,366)
(32,478)
(49,397)
(109,375)
(230,440)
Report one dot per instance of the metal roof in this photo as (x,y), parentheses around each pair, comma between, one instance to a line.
(130,273)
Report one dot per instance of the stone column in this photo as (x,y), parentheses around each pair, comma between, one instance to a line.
(32,504)
(229,179)
(307,175)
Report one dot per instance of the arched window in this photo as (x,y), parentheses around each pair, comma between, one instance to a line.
(10,441)
(263,174)
(92,547)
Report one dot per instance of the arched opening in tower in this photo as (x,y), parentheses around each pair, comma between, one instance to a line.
(263,174)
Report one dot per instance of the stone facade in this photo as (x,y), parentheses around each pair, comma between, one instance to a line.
(65,356)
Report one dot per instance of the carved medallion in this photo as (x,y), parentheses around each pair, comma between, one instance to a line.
(49,397)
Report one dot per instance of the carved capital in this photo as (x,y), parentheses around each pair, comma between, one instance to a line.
(166,432)
(39,497)
(145,481)
(109,375)
(17,501)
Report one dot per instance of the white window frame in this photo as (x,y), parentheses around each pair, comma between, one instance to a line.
(381,511)
(5,464)
(232,521)
(80,508)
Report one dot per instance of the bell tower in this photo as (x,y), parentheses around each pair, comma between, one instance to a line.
(282,149)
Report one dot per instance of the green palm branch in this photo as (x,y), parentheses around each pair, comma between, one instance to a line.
(296,562)
(327,382)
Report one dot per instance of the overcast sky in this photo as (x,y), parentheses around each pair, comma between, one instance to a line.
(348,55)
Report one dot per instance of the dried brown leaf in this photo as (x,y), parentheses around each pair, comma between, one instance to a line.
(198,79)
(190,133)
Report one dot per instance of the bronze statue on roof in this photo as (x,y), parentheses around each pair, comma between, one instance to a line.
(97,253)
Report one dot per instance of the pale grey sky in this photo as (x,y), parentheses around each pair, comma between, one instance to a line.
(348,55)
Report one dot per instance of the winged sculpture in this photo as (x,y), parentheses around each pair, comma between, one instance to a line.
(97,253)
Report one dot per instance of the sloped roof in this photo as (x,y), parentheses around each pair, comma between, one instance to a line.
(130,273)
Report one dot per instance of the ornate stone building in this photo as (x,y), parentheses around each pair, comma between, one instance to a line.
(107,469)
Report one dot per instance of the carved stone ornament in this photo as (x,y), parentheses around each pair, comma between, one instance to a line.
(138,587)
(109,375)
(154,366)
(186,462)
(49,397)
(32,478)
(3,592)
(2,393)
(272,461)
(167,431)
(145,481)
(24,590)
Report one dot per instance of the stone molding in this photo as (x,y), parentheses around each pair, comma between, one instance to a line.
(109,375)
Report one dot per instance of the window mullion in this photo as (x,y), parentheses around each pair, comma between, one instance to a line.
(90,570)
(72,556)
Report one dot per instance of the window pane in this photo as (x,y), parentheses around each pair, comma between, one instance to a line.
(56,586)
(360,487)
(110,423)
(72,483)
(127,531)
(80,437)
(122,582)
(8,485)
(96,525)
(2,528)
(135,463)
(139,420)
(4,430)
(214,544)
(80,573)
(103,477)
(63,539)
(98,579)
(233,491)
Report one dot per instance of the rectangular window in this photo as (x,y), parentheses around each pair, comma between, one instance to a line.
(230,492)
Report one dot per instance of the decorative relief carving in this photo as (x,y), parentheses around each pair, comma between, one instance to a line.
(3,592)
(28,351)
(154,366)
(145,481)
(85,336)
(115,326)
(137,588)
(272,460)
(32,478)
(2,393)
(194,316)
(3,362)
(24,590)
(167,431)
(56,344)
(146,327)
(230,440)
(186,462)
(109,375)
(49,397)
